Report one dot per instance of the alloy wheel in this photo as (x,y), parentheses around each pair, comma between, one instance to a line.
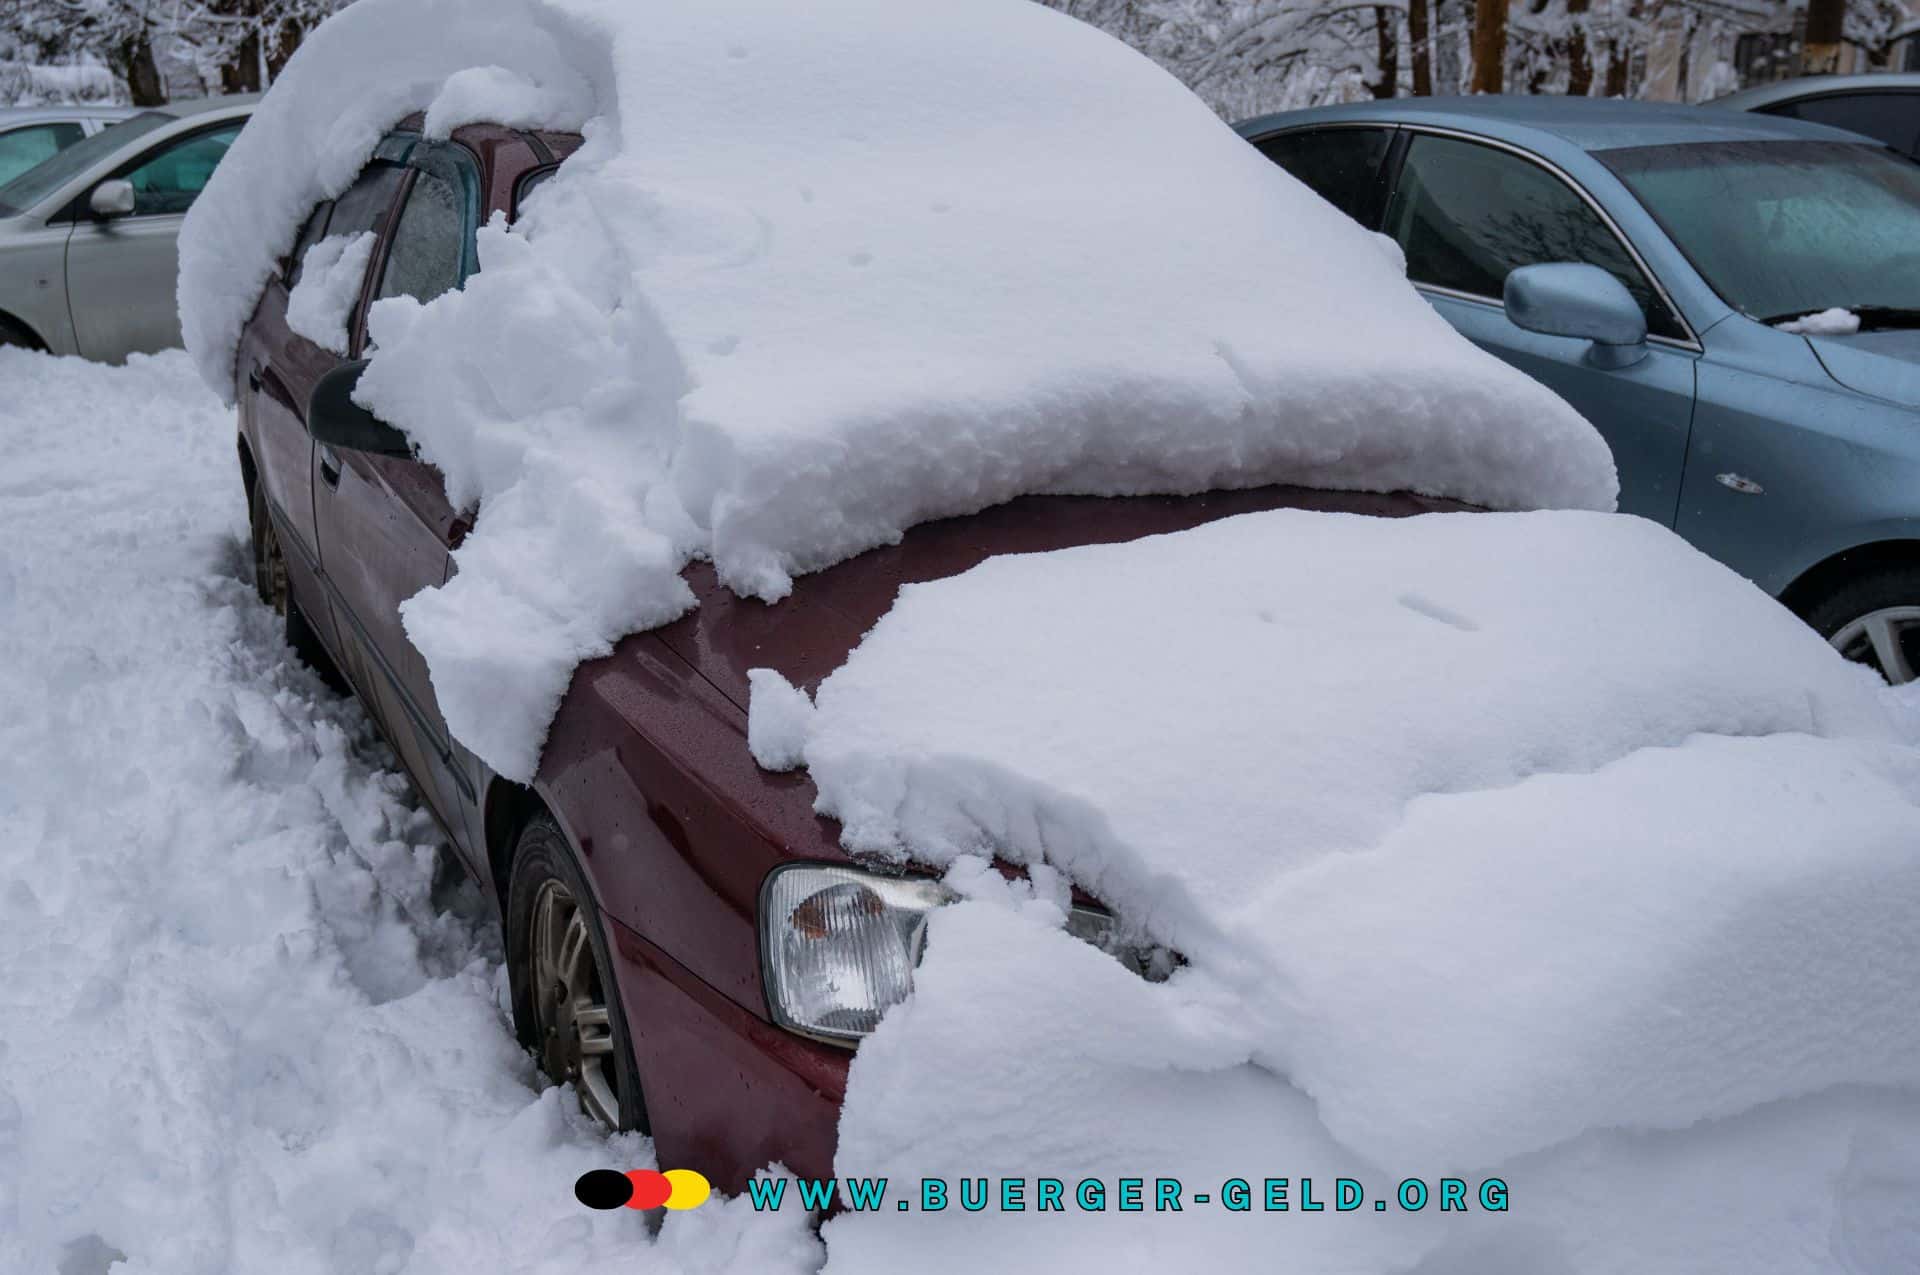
(1887,640)
(570,1004)
(271,565)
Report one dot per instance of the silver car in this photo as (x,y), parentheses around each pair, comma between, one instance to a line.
(30,135)
(87,252)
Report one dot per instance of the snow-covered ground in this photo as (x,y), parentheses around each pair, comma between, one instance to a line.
(244,1027)
(240,1028)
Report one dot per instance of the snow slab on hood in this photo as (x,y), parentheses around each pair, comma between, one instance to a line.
(825,271)
(1484,831)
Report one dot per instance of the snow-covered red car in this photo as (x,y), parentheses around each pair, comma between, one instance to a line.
(752,459)
(631,875)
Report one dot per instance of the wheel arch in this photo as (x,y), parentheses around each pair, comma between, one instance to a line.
(10,320)
(507,808)
(1823,577)
(249,472)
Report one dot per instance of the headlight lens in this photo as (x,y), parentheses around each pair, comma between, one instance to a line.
(840,945)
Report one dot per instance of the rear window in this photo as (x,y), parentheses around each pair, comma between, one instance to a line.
(1893,118)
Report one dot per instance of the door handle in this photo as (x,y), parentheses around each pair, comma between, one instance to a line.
(329,466)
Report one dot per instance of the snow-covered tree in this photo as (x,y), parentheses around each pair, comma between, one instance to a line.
(217,45)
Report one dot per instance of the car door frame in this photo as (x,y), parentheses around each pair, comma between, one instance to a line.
(414,490)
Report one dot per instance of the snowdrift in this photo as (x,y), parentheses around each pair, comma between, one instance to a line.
(1496,843)
(822,272)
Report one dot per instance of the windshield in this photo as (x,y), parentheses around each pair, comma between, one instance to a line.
(1789,228)
(34,185)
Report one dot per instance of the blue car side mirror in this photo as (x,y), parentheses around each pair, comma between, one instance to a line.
(1575,300)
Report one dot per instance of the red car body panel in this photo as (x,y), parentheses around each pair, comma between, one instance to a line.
(646,767)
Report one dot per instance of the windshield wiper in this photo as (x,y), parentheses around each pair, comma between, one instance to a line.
(1886,316)
(1872,317)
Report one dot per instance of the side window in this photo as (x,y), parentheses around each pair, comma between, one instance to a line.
(528,184)
(310,234)
(1893,118)
(24,148)
(170,181)
(1468,215)
(1338,164)
(429,244)
(367,202)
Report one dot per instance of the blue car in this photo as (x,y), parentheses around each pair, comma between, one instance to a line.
(1733,300)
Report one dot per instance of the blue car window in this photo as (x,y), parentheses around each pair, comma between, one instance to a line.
(1340,165)
(1469,215)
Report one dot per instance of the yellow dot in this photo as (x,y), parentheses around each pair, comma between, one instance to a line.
(690,1189)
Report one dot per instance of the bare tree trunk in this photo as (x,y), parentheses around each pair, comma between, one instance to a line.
(1386,43)
(241,71)
(1579,62)
(1826,23)
(1489,45)
(1422,49)
(133,59)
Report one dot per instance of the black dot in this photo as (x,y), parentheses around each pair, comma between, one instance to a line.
(603,1188)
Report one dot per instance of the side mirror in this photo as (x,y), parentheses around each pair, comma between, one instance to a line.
(111,199)
(1575,300)
(335,419)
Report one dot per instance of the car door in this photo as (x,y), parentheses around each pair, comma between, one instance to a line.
(1467,213)
(386,528)
(280,367)
(121,270)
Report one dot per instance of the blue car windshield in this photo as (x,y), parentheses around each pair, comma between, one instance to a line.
(34,185)
(1782,229)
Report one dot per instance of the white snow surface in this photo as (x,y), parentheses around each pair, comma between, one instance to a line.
(238,1031)
(321,304)
(1529,844)
(822,272)
(242,1030)
(1837,321)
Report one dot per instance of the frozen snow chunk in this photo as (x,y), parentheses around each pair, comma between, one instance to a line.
(1834,322)
(777,720)
(321,304)
(496,95)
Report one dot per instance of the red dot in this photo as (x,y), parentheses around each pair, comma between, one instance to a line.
(650,1189)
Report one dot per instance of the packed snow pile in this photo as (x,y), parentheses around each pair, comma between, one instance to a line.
(987,251)
(1483,835)
(238,1033)
(321,304)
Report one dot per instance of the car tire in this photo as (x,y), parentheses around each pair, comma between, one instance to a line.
(1874,619)
(271,583)
(566,1005)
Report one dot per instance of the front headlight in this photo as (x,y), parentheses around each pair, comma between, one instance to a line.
(840,945)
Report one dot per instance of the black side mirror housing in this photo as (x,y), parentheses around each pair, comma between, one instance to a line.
(335,419)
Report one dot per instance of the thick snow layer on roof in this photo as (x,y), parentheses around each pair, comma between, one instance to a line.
(825,271)
(1484,831)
